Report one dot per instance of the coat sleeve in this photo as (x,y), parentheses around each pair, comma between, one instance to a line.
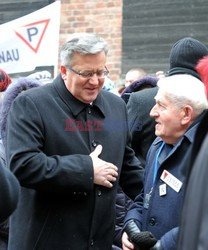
(9,193)
(169,240)
(33,168)
(135,211)
(132,174)
(142,126)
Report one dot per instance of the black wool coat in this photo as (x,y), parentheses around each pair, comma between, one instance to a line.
(9,189)
(49,139)
(142,126)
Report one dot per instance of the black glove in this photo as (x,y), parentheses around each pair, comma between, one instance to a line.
(143,240)
(157,246)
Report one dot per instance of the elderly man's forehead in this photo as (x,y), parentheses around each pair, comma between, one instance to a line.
(161,94)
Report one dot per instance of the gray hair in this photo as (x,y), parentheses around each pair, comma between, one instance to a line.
(183,90)
(83,43)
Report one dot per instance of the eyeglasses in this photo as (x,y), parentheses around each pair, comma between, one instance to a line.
(89,74)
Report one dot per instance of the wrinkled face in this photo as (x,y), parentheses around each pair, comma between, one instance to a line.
(84,89)
(168,119)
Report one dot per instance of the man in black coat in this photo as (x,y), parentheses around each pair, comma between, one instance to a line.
(68,144)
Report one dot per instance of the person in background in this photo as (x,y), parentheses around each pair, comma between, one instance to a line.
(145,82)
(69,146)
(43,76)
(9,190)
(5,81)
(160,74)
(134,74)
(109,85)
(152,221)
(184,56)
(193,230)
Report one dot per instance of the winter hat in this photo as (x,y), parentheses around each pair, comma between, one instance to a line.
(146,81)
(5,80)
(11,93)
(184,56)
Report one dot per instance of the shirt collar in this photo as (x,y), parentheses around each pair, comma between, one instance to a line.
(74,104)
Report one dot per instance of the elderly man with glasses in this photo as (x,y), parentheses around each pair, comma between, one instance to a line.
(68,145)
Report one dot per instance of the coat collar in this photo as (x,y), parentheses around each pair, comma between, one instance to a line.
(74,104)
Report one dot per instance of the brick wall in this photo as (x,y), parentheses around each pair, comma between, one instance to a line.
(102,17)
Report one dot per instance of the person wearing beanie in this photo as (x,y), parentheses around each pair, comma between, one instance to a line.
(10,94)
(184,56)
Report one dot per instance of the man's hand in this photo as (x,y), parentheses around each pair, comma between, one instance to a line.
(104,172)
(141,240)
(126,244)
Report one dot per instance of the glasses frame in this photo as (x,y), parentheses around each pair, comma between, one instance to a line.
(105,72)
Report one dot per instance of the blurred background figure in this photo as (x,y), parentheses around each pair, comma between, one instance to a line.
(133,75)
(5,80)
(109,85)
(9,188)
(145,82)
(43,76)
(160,74)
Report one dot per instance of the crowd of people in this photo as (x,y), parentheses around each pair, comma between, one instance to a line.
(86,167)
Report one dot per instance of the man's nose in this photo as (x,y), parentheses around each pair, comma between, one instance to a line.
(153,111)
(94,79)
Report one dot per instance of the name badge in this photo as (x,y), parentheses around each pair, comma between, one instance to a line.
(162,190)
(171,181)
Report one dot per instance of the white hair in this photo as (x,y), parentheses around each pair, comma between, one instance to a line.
(83,43)
(183,90)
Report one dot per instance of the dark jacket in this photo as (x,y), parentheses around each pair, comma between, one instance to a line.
(142,126)
(9,189)
(48,147)
(193,231)
(163,214)
(123,203)
(22,84)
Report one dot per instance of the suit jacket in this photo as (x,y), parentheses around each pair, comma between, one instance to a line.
(142,126)
(49,139)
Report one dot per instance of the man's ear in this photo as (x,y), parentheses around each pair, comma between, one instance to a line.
(187,115)
(63,71)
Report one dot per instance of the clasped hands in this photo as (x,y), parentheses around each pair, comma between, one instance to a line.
(105,173)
